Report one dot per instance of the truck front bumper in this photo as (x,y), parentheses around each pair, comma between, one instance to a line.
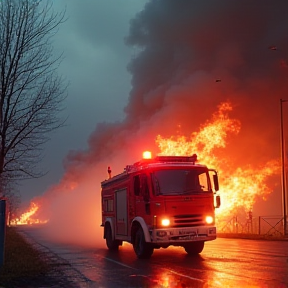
(178,235)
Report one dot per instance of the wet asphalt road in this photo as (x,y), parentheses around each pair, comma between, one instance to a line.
(223,263)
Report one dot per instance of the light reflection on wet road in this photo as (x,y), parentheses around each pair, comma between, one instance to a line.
(223,263)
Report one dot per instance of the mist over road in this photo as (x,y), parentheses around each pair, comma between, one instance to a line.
(223,263)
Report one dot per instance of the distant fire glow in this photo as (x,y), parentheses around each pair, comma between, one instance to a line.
(27,217)
(239,186)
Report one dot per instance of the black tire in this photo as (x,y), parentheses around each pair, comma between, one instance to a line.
(142,249)
(112,244)
(194,248)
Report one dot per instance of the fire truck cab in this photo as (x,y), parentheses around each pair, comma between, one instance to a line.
(155,203)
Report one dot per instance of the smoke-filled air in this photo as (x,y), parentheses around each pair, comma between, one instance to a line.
(207,77)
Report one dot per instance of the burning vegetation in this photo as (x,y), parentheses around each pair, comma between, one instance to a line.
(28,217)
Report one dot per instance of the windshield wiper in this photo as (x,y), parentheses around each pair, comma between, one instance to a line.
(170,193)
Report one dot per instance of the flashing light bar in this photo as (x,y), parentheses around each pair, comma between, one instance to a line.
(147,155)
(192,158)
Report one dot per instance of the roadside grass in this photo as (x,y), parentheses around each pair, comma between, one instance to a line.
(22,263)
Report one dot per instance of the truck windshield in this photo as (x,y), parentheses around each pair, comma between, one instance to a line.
(180,181)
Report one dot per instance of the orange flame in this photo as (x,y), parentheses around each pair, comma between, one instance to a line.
(27,217)
(239,187)
(211,135)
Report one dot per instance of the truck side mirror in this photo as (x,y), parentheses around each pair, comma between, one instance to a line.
(216,182)
(218,201)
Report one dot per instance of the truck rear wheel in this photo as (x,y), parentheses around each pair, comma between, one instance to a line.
(194,248)
(111,243)
(142,249)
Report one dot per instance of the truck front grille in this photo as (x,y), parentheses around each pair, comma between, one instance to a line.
(191,220)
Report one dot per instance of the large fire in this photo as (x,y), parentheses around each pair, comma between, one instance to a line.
(239,187)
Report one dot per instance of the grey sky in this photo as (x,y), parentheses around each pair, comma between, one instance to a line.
(95,61)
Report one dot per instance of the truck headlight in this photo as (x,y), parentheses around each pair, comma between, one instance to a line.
(165,222)
(209,219)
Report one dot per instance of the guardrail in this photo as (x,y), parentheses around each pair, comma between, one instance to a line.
(268,226)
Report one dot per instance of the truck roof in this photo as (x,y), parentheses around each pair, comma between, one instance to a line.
(157,162)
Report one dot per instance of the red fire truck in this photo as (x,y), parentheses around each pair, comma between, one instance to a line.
(155,203)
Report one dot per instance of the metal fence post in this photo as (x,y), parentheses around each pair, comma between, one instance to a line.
(2,230)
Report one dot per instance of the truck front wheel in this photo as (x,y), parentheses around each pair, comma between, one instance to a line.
(111,243)
(194,248)
(142,249)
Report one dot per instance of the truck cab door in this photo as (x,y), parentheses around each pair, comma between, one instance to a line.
(121,214)
(142,196)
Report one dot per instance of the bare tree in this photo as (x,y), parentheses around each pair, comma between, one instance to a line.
(31,92)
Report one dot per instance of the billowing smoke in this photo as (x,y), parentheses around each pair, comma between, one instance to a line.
(191,56)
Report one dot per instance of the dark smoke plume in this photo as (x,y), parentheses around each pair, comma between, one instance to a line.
(184,47)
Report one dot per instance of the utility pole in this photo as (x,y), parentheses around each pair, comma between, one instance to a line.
(283,174)
(2,229)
